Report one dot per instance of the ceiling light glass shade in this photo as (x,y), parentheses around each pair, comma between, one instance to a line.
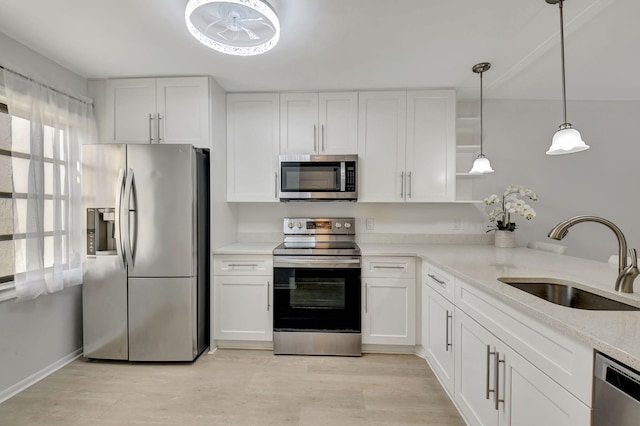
(234,27)
(567,140)
(481,166)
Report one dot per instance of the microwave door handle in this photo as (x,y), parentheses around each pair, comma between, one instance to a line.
(343,176)
(119,248)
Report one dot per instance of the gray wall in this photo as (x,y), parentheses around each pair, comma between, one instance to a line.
(36,334)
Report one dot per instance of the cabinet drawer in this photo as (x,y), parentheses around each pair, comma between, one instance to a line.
(388,267)
(440,281)
(568,361)
(243,265)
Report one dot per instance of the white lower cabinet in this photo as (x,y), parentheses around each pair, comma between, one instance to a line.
(437,335)
(494,385)
(242,298)
(388,300)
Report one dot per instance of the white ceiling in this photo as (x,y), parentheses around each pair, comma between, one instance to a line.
(354,44)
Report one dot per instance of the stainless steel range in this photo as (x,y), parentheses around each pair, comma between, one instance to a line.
(317,293)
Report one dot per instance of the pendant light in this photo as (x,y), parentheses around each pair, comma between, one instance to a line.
(234,27)
(566,140)
(481,164)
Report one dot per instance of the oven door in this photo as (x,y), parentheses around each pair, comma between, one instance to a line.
(317,299)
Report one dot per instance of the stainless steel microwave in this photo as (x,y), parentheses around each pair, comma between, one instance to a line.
(318,177)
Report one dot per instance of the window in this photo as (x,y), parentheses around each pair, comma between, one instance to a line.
(41,135)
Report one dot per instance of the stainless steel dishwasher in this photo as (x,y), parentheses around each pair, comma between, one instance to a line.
(617,393)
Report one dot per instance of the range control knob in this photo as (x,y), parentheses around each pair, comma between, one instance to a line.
(338,225)
(299,225)
(290,225)
(347,225)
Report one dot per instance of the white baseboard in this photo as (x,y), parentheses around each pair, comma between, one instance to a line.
(39,375)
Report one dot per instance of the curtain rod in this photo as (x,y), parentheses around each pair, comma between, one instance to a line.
(84,101)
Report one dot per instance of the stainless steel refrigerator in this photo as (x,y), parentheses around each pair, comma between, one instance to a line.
(146,269)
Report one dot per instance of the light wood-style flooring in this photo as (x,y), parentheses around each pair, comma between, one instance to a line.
(238,387)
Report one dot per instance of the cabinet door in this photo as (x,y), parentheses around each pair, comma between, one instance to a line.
(338,121)
(389,311)
(437,335)
(242,308)
(183,110)
(253,137)
(131,110)
(474,371)
(431,149)
(299,130)
(532,398)
(381,146)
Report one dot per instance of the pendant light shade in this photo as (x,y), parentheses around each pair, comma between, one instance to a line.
(566,140)
(234,27)
(481,165)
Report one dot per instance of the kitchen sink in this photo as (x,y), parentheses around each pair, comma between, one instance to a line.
(564,294)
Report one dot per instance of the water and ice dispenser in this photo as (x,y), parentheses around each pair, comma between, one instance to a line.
(101,231)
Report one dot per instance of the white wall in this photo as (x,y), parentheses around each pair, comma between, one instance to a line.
(36,334)
(600,181)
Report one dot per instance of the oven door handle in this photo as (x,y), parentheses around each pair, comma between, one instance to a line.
(284,262)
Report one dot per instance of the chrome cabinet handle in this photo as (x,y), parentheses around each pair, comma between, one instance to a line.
(409,185)
(323,139)
(150,126)
(251,265)
(268,300)
(489,353)
(496,377)
(276,186)
(446,338)
(366,297)
(158,126)
(315,138)
(119,247)
(402,185)
(436,279)
(387,267)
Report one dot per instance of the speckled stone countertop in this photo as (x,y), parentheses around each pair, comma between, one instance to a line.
(247,248)
(615,333)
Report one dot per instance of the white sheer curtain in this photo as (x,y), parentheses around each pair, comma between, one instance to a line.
(48,130)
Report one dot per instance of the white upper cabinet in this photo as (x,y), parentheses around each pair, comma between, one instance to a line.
(253,135)
(431,149)
(406,146)
(381,146)
(318,123)
(157,110)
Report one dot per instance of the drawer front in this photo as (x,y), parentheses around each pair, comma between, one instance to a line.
(437,279)
(388,267)
(568,361)
(243,264)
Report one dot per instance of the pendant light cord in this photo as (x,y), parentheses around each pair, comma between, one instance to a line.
(481,120)
(564,88)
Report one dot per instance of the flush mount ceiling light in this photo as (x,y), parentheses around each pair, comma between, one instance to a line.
(481,165)
(235,27)
(566,140)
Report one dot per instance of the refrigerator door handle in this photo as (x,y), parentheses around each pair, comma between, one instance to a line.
(119,248)
(129,191)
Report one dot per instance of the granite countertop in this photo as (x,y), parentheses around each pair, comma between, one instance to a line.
(615,333)
(247,248)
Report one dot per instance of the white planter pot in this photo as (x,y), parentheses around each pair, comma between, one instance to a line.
(505,239)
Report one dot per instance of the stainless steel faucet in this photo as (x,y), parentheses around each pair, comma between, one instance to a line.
(626,274)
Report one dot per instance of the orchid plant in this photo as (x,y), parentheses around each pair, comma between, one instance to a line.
(509,204)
